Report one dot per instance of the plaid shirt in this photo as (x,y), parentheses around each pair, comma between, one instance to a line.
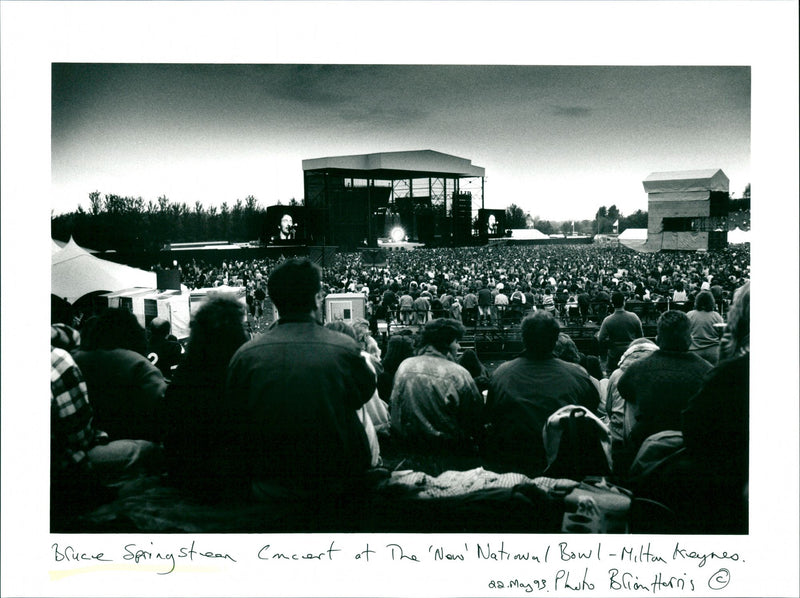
(71,431)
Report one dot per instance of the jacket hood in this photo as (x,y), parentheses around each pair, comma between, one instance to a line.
(636,352)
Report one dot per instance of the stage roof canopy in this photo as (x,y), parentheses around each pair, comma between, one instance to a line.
(396,165)
(686,181)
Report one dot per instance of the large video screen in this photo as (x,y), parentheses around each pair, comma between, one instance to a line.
(492,223)
(284,225)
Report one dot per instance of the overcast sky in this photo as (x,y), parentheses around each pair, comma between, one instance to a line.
(558,141)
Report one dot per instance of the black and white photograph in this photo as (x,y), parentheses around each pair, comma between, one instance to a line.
(486,316)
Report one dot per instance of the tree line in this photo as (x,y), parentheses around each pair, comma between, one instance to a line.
(603,221)
(115,222)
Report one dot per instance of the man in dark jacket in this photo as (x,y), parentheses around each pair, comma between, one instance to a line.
(525,392)
(660,385)
(617,331)
(293,394)
(485,304)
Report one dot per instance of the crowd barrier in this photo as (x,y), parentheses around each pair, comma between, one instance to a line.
(500,337)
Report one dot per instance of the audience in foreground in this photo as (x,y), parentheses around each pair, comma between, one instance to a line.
(284,418)
(699,471)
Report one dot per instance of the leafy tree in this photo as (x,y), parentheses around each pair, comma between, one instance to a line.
(95,203)
(516,217)
(225,220)
(636,220)
(237,219)
(251,228)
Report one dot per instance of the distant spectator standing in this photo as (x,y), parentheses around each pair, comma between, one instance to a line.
(422,307)
(470,308)
(259,295)
(679,294)
(703,321)
(500,302)
(406,303)
(485,303)
(617,331)
(548,302)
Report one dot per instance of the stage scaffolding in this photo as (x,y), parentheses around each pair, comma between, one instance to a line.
(354,200)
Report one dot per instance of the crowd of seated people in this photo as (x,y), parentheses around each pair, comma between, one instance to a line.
(310,418)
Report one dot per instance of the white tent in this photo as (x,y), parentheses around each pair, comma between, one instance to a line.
(527,234)
(633,234)
(634,238)
(737,236)
(75,272)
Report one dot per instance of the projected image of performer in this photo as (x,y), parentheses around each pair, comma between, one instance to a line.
(492,225)
(287,229)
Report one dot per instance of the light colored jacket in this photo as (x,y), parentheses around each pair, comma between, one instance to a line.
(620,415)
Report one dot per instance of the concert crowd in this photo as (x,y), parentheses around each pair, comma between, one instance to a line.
(295,424)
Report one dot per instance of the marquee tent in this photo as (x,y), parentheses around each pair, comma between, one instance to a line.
(527,234)
(75,272)
(737,236)
(634,238)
